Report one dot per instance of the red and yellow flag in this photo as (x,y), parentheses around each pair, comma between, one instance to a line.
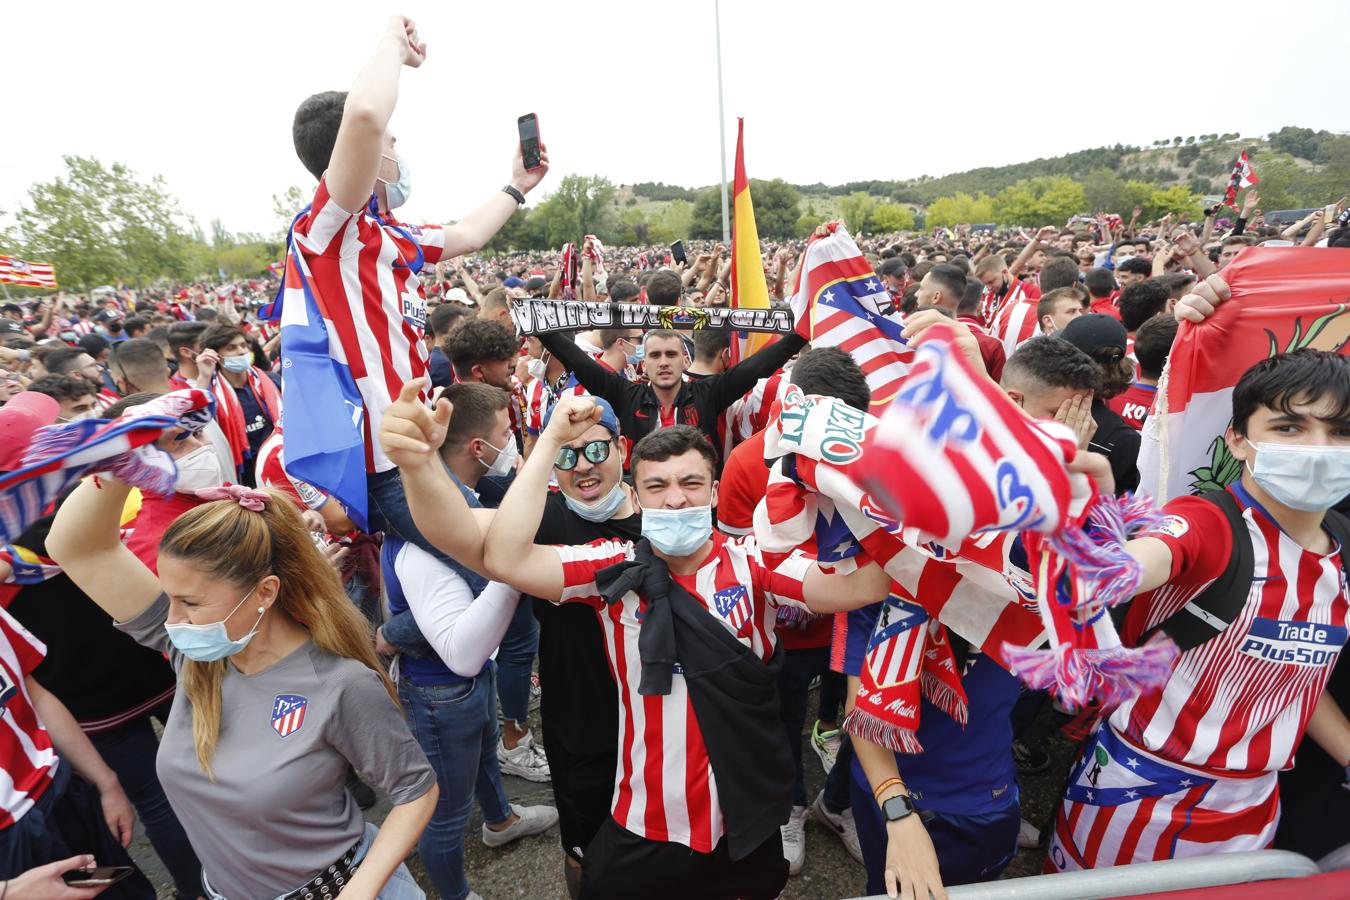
(748,288)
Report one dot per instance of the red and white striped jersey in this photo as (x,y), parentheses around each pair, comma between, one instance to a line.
(373,304)
(1239,703)
(991,304)
(664,788)
(269,470)
(539,396)
(27,757)
(751,413)
(1017,322)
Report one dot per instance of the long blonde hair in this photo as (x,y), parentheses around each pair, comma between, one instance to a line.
(243,547)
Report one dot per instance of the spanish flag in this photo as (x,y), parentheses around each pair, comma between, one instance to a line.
(748,288)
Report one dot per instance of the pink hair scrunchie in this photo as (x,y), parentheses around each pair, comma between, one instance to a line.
(246,497)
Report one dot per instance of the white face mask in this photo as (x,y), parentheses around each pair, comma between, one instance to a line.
(197,470)
(396,193)
(537,368)
(505,461)
(1303,477)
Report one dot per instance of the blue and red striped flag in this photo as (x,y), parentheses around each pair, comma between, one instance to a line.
(60,455)
(840,302)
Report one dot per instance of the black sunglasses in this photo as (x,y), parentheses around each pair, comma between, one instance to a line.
(595,451)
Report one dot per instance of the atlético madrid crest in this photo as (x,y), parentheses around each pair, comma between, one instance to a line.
(288,714)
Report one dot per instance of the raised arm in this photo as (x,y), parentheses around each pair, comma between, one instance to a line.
(410,435)
(733,384)
(477,228)
(365,116)
(1036,243)
(85,540)
(595,378)
(840,593)
(510,552)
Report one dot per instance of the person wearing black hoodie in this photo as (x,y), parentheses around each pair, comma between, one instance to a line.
(1103,338)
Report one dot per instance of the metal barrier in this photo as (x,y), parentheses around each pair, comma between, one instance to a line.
(1141,879)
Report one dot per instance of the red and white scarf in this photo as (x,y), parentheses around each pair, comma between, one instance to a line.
(230,413)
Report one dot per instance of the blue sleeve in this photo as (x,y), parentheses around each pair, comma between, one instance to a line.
(861,624)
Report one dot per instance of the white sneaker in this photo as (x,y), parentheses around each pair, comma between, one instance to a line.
(826,744)
(532,820)
(1028,836)
(841,824)
(794,839)
(526,760)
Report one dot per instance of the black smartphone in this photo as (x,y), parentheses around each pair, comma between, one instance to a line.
(98,877)
(528,125)
(677,252)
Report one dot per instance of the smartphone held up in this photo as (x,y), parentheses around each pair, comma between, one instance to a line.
(528,126)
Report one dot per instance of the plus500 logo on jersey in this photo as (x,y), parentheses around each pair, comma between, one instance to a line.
(1300,643)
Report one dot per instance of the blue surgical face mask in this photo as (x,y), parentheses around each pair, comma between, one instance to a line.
(601,510)
(237,364)
(677,532)
(208,643)
(635,358)
(1303,477)
(396,193)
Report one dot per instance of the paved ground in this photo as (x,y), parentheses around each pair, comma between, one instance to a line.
(533,867)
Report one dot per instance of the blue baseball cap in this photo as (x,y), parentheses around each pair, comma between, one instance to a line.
(607,417)
(513,281)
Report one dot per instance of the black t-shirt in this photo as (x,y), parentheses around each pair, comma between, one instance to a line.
(579,704)
(1119,443)
(98,672)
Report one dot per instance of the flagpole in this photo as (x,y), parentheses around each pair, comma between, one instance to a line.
(722,126)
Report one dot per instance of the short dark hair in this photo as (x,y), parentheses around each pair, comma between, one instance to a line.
(663,289)
(677,440)
(607,337)
(1053,363)
(185,334)
(442,319)
(1136,265)
(94,344)
(831,372)
(475,410)
(1046,305)
(478,341)
(1059,272)
(1099,282)
(950,280)
(62,359)
(138,356)
(708,342)
(1243,239)
(315,127)
(135,323)
(61,387)
(1279,382)
(970,300)
(1153,343)
(622,290)
(1142,301)
(217,336)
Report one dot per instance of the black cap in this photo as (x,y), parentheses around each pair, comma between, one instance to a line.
(895,266)
(536,283)
(12,308)
(1092,332)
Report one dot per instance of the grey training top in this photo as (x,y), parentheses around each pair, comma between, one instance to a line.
(278,811)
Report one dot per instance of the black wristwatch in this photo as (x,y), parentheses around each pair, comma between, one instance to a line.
(515,194)
(898,807)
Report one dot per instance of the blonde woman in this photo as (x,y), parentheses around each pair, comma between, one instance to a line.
(279,689)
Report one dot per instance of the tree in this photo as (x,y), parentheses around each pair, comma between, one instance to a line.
(776,208)
(513,235)
(244,260)
(1190,140)
(706,222)
(679,218)
(1047,200)
(1177,201)
(891,217)
(286,206)
(1176,141)
(961,209)
(580,205)
(856,209)
(99,224)
(1188,154)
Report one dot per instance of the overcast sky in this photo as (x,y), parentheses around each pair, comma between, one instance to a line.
(840,91)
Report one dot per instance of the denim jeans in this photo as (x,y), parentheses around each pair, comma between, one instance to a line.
(515,663)
(456,726)
(130,752)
